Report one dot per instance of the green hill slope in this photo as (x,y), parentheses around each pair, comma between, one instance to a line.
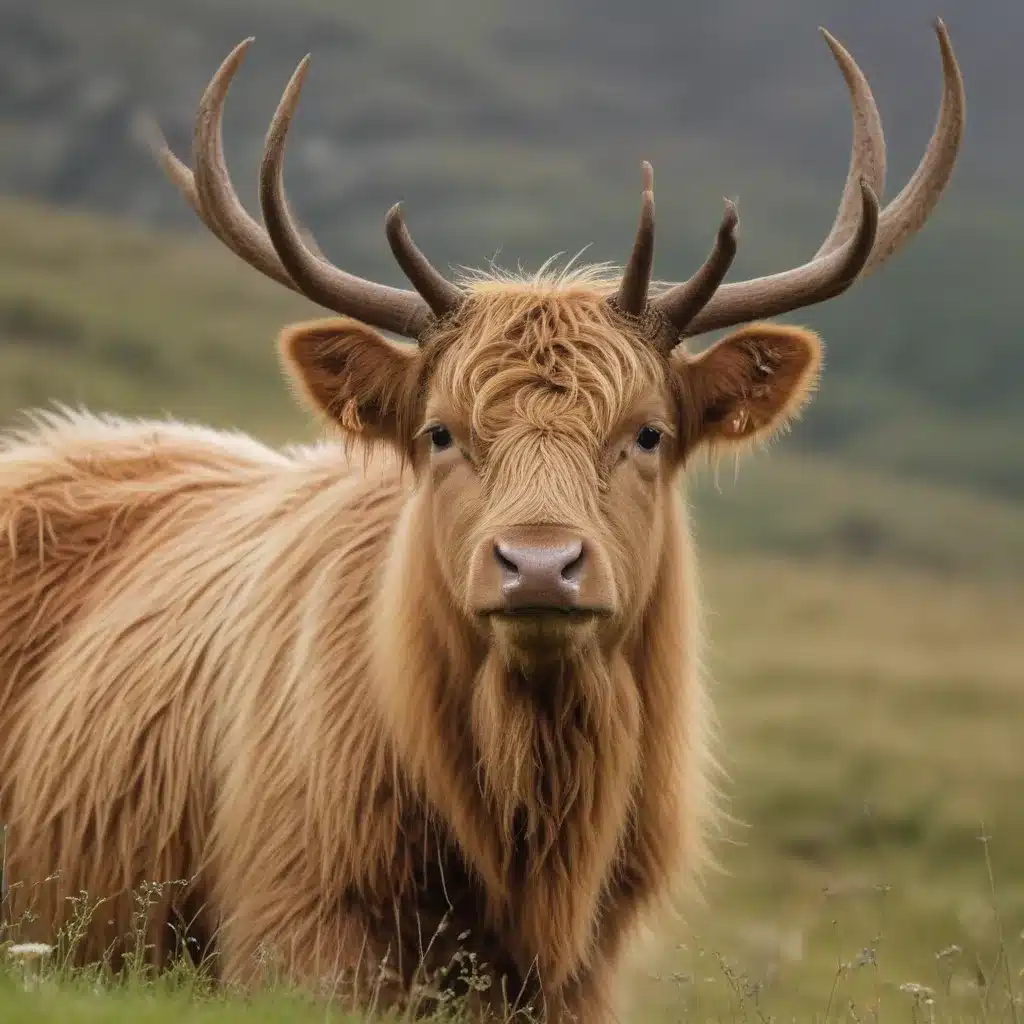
(517,129)
(125,320)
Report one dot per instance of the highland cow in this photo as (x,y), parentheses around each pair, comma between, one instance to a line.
(433,683)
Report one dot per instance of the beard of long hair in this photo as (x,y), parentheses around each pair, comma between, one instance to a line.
(558,763)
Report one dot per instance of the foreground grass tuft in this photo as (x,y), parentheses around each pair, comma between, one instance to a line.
(979,981)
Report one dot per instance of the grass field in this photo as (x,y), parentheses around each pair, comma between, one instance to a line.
(871,721)
(872,725)
(866,647)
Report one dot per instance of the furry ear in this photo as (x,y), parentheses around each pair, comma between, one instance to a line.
(750,384)
(354,376)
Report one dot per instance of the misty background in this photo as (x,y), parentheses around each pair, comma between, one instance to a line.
(515,130)
(864,577)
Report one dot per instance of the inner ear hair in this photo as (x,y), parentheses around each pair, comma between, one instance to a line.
(354,378)
(750,384)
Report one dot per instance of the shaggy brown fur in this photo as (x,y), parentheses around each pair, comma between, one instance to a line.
(259,671)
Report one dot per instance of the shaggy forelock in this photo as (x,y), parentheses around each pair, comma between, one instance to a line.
(543,353)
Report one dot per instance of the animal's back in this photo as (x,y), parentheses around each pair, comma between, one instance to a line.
(143,563)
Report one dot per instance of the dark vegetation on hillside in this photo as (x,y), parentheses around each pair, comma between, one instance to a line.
(515,130)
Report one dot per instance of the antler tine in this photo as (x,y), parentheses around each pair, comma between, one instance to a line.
(175,171)
(216,192)
(251,243)
(441,295)
(867,150)
(404,312)
(636,278)
(212,196)
(684,301)
(816,281)
(829,272)
(906,213)
(264,259)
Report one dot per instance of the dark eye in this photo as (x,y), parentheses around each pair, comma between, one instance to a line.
(440,438)
(648,438)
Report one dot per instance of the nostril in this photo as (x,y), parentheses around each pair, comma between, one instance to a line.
(572,571)
(504,561)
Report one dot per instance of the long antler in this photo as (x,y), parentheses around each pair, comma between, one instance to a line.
(279,251)
(861,239)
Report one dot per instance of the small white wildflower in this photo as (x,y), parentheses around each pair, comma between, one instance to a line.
(866,957)
(917,991)
(29,950)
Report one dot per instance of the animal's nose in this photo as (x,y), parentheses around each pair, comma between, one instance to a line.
(540,568)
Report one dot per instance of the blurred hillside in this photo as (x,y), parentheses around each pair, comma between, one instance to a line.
(515,130)
(126,319)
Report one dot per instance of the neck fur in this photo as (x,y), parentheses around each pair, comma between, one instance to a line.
(532,768)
